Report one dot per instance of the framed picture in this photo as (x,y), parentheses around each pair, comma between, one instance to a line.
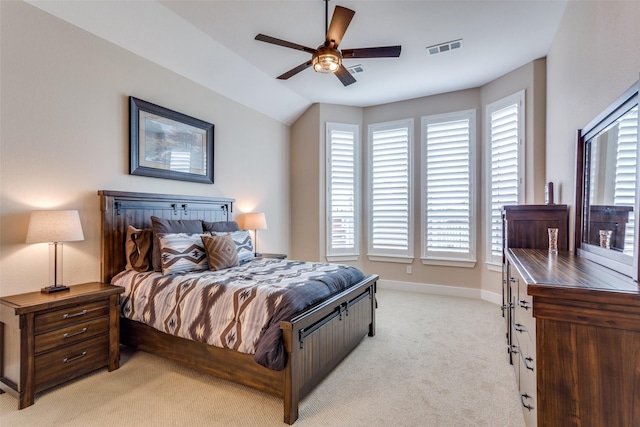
(167,144)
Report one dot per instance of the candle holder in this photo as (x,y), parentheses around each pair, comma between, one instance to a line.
(605,238)
(553,241)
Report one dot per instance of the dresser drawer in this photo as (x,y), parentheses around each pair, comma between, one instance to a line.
(528,393)
(69,362)
(71,334)
(70,315)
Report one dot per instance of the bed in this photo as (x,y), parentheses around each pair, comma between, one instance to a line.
(314,339)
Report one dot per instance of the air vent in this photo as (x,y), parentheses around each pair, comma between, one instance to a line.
(444,47)
(355,69)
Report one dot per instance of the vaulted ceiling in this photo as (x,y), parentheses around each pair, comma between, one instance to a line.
(212,43)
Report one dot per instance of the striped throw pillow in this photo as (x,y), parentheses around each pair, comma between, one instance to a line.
(182,253)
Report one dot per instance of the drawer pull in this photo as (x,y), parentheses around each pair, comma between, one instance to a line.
(513,280)
(69,316)
(75,333)
(528,360)
(71,359)
(519,327)
(522,398)
(524,304)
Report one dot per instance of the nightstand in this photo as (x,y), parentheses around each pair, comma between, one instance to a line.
(276,256)
(49,339)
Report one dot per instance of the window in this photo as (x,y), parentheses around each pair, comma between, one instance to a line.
(343,194)
(448,202)
(625,172)
(505,134)
(390,223)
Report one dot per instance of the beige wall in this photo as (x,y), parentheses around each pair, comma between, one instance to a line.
(305,180)
(64,136)
(593,59)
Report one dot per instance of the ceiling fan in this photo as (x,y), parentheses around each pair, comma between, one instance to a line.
(327,58)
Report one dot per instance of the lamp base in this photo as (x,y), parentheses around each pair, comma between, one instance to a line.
(52,288)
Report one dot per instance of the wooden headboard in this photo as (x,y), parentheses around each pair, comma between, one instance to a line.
(121,209)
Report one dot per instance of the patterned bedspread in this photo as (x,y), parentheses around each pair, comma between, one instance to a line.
(238,308)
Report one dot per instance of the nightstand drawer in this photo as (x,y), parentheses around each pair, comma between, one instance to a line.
(71,315)
(71,334)
(69,362)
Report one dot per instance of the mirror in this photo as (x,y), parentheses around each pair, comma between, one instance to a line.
(607,203)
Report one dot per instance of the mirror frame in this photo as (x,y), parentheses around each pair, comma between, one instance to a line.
(610,259)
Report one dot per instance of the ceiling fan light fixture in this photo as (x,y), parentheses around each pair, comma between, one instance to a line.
(326,60)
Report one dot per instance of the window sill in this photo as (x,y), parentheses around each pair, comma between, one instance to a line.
(449,262)
(390,258)
(338,258)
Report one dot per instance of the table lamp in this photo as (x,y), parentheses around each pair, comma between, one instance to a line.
(255,221)
(54,227)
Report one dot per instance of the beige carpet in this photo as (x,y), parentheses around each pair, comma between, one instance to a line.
(435,361)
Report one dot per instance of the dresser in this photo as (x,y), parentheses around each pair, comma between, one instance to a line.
(526,226)
(48,339)
(577,336)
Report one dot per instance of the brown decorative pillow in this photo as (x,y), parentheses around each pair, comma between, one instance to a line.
(221,251)
(138,248)
(170,226)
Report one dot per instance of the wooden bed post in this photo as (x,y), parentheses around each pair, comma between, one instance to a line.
(291,390)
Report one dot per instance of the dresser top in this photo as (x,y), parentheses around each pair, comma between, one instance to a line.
(568,275)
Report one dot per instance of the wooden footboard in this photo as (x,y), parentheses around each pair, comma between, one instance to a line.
(317,339)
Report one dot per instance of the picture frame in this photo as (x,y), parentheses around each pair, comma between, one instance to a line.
(166,144)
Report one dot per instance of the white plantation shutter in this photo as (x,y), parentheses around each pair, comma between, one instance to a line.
(625,180)
(505,133)
(390,226)
(448,229)
(342,189)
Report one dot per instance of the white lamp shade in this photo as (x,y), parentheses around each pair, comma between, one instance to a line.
(255,221)
(54,226)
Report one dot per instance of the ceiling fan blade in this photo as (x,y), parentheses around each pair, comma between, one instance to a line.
(373,52)
(345,76)
(292,72)
(284,43)
(339,23)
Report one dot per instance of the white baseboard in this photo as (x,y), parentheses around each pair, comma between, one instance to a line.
(453,291)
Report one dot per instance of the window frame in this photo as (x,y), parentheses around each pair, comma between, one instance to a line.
(375,254)
(445,258)
(342,254)
(494,262)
